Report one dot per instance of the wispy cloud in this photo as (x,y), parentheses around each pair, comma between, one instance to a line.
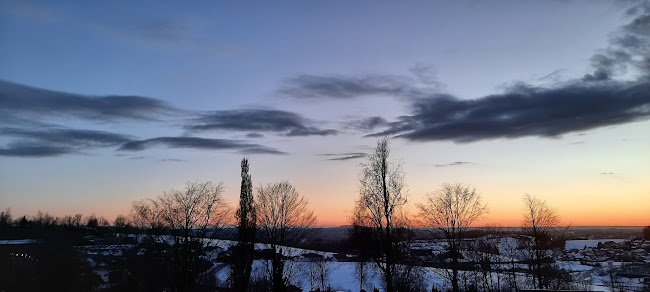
(629,48)
(20,100)
(311,131)
(423,79)
(455,163)
(254,135)
(344,156)
(260,120)
(72,137)
(344,87)
(368,124)
(29,149)
(199,143)
(172,160)
(57,141)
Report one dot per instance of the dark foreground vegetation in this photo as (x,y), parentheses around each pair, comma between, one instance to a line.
(47,255)
(183,239)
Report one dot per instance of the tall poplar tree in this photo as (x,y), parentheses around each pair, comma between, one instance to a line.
(247,220)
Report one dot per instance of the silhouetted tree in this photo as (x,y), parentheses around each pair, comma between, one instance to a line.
(247,219)
(452,209)
(540,221)
(120,221)
(92,221)
(71,221)
(379,208)
(485,254)
(285,220)
(5,221)
(188,216)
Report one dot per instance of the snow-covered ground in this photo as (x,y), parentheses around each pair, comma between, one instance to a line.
(341,276)
(18,241)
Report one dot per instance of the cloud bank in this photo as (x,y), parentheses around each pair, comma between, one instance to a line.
(57,141)
(26,100)
(258,120)
(199,143)
(524,111)
(346,87)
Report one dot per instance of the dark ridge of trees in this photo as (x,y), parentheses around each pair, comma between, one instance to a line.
(49,263)
(246,217)
(646,233)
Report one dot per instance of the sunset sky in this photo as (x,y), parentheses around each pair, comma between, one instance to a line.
(104,103)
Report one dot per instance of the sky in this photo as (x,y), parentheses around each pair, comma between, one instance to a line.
(106,103)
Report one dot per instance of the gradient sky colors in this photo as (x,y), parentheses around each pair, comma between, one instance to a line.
(105,103)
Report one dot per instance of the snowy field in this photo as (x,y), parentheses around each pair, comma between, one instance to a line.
(341,276)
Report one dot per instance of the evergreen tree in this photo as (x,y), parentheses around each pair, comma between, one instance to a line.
(247,219)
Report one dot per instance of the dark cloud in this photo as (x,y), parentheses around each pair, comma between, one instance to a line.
(263,120)
(423,79)
(596,100)
(629,48)
(20,100)
(254,135)
(368,124)
(199,143)
(26,149)
(57,141)
(455,163)
(345,87)
(525,111)
(344,156)
(171,160)
(71,137)
(261,150)
(311,131)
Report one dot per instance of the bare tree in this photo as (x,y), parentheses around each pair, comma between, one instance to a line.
(486,254)
(246,228)
(452,209)
(285,221)
(186,216)
(539,222)
(120,221)
(319,272)
(379,208)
